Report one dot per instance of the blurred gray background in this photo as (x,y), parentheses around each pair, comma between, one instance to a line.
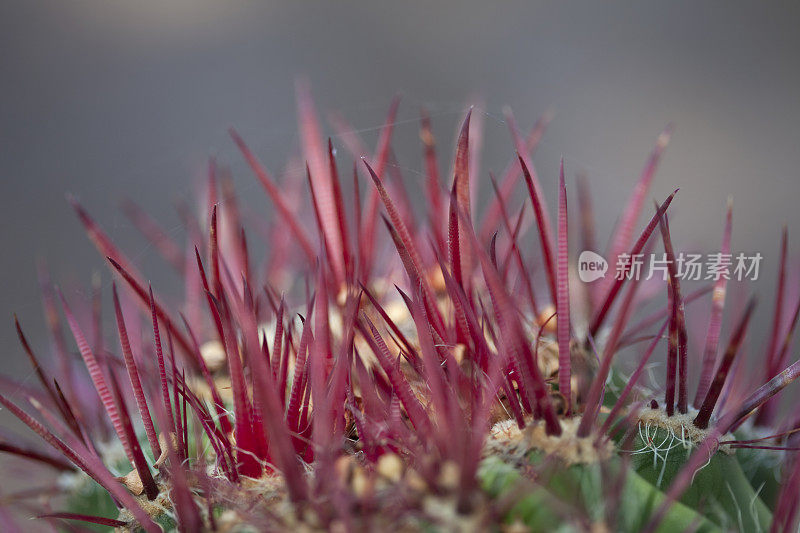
(114,98)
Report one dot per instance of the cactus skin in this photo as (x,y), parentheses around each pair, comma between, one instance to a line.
(409,386)
(720,488)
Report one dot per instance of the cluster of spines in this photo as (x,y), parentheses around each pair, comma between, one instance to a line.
(283,424)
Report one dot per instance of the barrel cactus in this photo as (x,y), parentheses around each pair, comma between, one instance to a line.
(457,376)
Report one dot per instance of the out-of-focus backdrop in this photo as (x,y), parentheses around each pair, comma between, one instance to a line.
(109,99)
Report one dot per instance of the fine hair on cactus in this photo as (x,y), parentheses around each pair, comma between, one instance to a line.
(404,363)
